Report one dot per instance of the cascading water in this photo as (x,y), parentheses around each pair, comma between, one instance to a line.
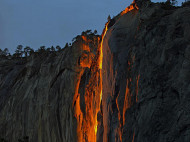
(87,123)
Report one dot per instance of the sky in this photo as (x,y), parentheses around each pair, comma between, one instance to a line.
(38,23)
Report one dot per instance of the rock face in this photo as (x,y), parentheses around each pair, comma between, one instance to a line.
(146,76)
(145,84)
(35,98)
(36,95)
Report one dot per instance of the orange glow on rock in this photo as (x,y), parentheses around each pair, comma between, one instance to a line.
(86,44)
(127,101)
(78,112)
(137,88)
(133,137)
(129,8)
(86,57)
(87,123)
(119,118)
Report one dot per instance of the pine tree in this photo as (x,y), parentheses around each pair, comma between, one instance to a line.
(109,18)
(58,48)
(27,50)
(18,52)
(174,2)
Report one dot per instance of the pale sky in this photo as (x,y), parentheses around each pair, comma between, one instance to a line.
(52,22)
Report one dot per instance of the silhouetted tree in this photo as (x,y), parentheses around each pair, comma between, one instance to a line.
(1,52)
(18,52)
(109,18)
(171,2)
(48,49)
(58,48)
(168,2)
(186,3)
(52,48)
(31,51)
(41,49)
(174,2)
(6,52)
(27,51)
(66,45)
(88,32)
(95,32)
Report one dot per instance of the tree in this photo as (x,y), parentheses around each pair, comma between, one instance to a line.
(88,32)
(186,3)
(171,2)
(48,49)
(19,48)
(31,52)
(52,48)
(27,51)
(18,52)
(42,49)
(109,18)
(58,48)
(6,52)
(66,45)
(174,2)
(168,3)
(1,52)
(95,32)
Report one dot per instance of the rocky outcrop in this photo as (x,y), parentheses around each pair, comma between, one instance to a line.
(143,84)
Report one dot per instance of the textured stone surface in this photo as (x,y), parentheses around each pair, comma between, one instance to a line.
(36,95)
(146,83)
(146,80)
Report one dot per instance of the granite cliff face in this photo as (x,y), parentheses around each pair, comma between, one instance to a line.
(36,95)
(146,79)
(139,91)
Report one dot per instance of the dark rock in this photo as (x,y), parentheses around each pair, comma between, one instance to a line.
(146,83)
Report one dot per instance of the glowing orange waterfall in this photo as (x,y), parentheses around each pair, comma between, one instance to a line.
(87,121)
(101,45)
(101,56)
(87,105)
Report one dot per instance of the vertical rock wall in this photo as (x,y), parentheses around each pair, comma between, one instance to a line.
(36,95)
(146,76)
